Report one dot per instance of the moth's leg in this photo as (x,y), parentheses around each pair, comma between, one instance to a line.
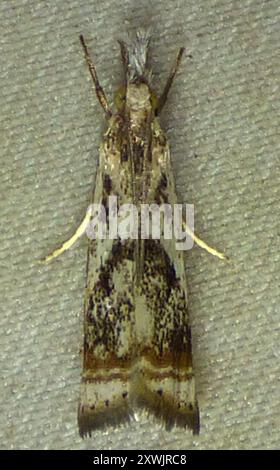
(98,88)
(163,97)
(66,245)
(204,245)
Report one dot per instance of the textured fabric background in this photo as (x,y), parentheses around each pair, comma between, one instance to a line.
(222,120)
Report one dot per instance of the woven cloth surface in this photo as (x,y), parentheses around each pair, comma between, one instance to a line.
(222,120)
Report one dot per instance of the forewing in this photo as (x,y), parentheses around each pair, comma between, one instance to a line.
(109,304)
(165,381)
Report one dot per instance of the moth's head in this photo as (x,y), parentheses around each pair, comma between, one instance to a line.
(134,56)
(137,91)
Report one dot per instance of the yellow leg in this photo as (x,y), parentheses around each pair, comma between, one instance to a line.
(66,245)
(204,245)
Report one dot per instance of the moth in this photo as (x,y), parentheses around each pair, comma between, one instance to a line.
(137,337)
